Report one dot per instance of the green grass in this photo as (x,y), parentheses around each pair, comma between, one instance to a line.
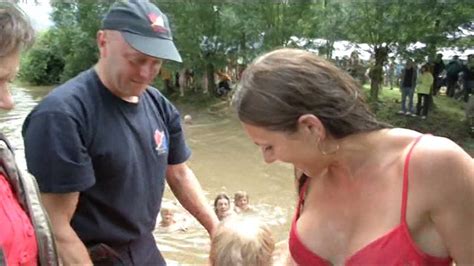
(447,119)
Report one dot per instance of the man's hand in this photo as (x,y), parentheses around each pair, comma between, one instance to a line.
(60,208)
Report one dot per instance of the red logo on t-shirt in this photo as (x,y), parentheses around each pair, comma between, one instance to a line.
(160,141)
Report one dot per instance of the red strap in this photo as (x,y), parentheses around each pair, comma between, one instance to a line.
(405,181)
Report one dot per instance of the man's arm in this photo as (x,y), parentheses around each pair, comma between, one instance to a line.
(60,208)
(188,191)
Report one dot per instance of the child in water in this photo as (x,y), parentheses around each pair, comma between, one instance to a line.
(169,222)
(242,240)
(241,201)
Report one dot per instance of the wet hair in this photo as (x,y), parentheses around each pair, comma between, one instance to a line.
(282,85)
(240,194)
(15,29)
(168,207)
(240,241)
(221,195)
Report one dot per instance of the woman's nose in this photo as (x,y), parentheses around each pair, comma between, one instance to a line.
(6,100)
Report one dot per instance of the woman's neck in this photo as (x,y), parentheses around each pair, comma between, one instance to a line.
(355,153)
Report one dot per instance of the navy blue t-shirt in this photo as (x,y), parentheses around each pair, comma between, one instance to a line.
(82,137)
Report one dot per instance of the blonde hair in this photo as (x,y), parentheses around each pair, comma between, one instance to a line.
(240,194)
(168,207)
(240,241)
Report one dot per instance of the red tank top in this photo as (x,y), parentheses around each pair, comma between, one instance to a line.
(394,248)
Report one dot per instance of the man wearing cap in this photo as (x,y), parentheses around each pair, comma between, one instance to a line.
(102,144)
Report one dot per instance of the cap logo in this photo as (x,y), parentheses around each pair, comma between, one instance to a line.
(157,23)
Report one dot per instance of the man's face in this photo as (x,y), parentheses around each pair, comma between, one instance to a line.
(8,69)
(127,72)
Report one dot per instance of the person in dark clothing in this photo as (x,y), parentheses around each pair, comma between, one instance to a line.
(453,69)
(407,87)
(104,144)
(438,67)
(468,77)
(223,87)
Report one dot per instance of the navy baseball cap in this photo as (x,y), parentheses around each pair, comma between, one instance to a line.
(144,27)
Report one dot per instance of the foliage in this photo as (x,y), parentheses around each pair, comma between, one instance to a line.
(387,25)
(212,34)
(42,65)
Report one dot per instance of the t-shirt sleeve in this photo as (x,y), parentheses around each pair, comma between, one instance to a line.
(55,153)
(179,152)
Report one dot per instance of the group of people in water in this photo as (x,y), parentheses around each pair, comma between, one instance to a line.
(239,229)
(172,220)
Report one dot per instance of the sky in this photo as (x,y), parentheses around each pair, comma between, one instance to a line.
(38,13)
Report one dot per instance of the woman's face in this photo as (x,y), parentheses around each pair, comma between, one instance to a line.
(222,205)
(299,148)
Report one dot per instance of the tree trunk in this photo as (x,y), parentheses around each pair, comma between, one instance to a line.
(210,77)
(376,72)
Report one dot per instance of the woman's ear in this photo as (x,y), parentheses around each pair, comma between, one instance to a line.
(311,123)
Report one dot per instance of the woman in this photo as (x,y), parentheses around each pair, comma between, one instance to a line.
(423,89)
(222,206)
(25,234)
(374,195)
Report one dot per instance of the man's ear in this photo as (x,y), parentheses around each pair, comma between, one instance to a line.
(311,124)
(101,41)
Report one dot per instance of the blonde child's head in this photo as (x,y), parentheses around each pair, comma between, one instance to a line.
(167,212)
(241,199)
(240,241)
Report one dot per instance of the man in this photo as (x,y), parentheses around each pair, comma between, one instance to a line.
(102,144)
(25,234)
(438,67)
(468,77)
(453,69)
(407,87)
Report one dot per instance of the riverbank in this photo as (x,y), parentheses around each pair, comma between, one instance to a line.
(447,119)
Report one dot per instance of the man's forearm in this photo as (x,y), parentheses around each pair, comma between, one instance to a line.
(72,250)
(189,193)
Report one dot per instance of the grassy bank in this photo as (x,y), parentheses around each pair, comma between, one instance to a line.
(447,118)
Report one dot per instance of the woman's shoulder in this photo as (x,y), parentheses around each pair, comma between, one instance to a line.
(427,145)
(436,162)
(437,167)
(428,151)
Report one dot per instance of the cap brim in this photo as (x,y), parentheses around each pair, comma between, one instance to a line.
(156,47)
